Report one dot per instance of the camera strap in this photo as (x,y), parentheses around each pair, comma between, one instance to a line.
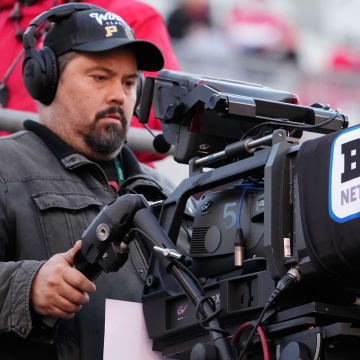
(119,171)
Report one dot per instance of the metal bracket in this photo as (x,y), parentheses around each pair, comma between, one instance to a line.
(168,252)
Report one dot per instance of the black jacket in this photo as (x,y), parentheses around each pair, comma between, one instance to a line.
(49,194)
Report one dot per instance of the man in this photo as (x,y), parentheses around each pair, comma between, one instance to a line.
(15,16)
(54,178)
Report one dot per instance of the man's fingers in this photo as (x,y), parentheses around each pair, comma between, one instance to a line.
(66,306)
(74,295)
(59,313)
(58,284)
(79,281)
(70,254)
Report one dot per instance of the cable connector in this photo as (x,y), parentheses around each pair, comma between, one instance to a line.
(292,277)
(239,249)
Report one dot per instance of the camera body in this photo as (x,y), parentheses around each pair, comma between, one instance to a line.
(259,192)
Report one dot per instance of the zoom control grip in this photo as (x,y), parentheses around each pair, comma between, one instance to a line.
(100,249)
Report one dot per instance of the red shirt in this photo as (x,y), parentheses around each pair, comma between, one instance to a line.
(144,20)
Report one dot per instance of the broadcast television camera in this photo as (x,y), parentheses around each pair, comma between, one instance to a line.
(273,242)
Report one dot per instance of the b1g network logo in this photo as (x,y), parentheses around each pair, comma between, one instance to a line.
(344,180)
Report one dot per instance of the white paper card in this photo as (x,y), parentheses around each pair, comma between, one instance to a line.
(126,337)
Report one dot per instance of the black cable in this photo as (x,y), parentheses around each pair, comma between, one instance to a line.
(292,277)
(182,267)
(307,126)
(204,321)
(294,125)
(198,310)
(246,133)
(251,251)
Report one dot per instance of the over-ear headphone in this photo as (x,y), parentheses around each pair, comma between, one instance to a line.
(40,68)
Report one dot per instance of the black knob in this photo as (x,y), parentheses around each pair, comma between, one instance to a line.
(204,352)
(294,351)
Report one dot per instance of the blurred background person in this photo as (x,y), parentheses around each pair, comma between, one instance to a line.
(254,28)
(188,17)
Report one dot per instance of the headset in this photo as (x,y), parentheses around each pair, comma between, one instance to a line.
(40,68)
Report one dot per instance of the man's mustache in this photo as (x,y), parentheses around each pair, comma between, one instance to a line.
(112,110)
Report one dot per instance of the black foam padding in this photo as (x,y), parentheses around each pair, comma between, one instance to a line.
(160,144)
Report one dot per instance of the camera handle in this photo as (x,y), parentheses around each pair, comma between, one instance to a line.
(100,250)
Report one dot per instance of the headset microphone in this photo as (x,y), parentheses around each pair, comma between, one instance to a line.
(160,144)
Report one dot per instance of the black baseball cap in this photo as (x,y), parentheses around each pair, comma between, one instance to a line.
(97,30)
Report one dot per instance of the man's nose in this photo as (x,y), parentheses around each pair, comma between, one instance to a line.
(116,93)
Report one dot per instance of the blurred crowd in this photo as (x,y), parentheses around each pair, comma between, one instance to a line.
(260,42)
(250,29)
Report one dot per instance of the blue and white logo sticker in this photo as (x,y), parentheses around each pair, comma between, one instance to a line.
(344,176)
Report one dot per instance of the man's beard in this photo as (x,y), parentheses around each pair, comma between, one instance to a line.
(110,138)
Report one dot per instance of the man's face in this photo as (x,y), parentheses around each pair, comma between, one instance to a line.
(94,102)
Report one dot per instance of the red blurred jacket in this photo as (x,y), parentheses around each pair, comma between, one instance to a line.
(144,20)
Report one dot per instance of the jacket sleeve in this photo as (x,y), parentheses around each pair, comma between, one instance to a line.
(15,278)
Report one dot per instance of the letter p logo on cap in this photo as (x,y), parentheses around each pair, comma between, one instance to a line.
(110,30)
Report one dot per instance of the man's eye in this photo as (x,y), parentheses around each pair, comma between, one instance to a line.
(99,77)
(131,83)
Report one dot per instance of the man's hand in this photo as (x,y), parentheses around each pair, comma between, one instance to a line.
(59,289)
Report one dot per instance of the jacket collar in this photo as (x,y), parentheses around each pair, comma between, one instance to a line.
(71,159)
(136,180)
(58,146)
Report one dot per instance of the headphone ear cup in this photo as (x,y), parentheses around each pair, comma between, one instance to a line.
(40,67)
(40,74)
(51,77)
(139,89)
